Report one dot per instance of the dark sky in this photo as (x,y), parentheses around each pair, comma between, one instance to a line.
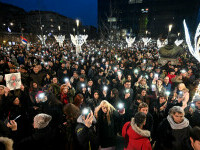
(85,10)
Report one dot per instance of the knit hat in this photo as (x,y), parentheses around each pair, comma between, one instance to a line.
(41,120)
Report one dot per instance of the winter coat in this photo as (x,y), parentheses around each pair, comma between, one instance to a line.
(42,139)
(107,132)
(136,137)
(194,117)
(37,78)
(172,136)
(87,137)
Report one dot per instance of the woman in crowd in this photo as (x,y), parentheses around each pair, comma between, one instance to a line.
(71,113)
(106,115)
(67,93)
(79,101)
(173,131)
(182,94)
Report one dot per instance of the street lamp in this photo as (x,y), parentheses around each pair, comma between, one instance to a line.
(146,32)
(59,28)
(179,33)
(4,24)
(77,23)
(170,28)
(74,30)
(11,24)
(84,31)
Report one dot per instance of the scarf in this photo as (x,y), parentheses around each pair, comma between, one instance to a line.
(174,125)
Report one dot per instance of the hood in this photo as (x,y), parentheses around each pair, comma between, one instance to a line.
(7,142)
(139,133)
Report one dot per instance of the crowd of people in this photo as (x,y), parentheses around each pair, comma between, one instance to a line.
(106,97)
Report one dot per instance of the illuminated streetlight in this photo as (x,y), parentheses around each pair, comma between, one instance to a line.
(4,24)
(11,24)
(74,30)
(170,27)
(59,28)
(84,31)
(146,31)
(77,22)
(179,34)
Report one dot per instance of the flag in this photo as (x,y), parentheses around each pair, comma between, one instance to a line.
(9,30)
(24,41)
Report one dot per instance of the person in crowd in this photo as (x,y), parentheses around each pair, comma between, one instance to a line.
(106,116)
(43,138)
(68,137)
(74,79)
(195,138)
(141,84)
(79,101)
(166,84)
(95,101)
(54,87)
(192,112)
(143,107)
(37,76)
(136,138)
(86,133)
(173,131)
(67,93)
(182,94)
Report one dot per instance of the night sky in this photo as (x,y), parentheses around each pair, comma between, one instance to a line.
(85,10)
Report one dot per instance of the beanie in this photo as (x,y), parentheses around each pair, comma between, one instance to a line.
(41,120)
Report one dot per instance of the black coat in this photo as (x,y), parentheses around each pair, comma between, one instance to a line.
(87,137)
(107,132)
(194,118)
(42,139)
(172,139)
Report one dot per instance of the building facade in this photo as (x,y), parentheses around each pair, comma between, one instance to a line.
(141,17)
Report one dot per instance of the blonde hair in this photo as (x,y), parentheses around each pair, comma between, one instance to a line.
(109,107)
(183,87)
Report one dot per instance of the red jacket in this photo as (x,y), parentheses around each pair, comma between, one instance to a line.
(170,78)
(137,139)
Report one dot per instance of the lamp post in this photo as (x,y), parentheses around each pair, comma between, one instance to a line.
(170,28)
(84,31)
(77,23)
(74,31)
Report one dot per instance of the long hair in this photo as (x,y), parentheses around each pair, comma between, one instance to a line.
(109,107)
(77,100)
(183,87)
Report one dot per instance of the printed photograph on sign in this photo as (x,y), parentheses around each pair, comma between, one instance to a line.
(13,81)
